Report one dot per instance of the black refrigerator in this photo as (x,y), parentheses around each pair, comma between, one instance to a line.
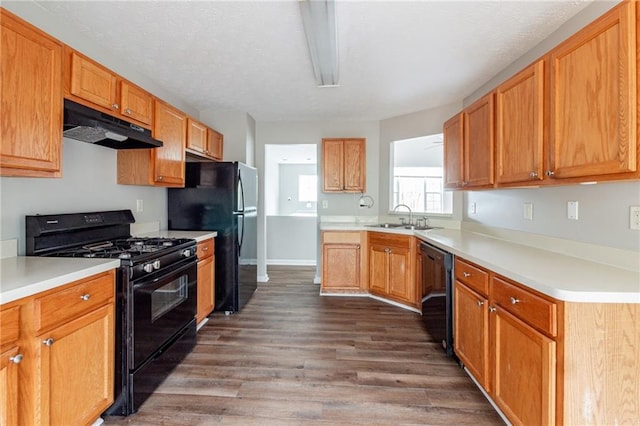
(222,197)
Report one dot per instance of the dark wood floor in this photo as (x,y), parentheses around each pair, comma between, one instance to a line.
(292,357)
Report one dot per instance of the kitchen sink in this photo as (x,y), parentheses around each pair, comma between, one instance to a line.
(400,225)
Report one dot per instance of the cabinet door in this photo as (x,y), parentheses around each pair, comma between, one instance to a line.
(332,167)
(400,284)
(471,332)
(354,165)
(205,288)
(525,363)
(593,98)
(341,266)
(136,103)
(378,269)
(453,152)
(479,142)
(215,143)
(93,82)
(196,136)
(170,126)
(31,97)
(520,126)
(76,369)
(9,386)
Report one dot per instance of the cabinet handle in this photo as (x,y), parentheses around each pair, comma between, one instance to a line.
(205,248)
(533,175)
(466,274)
(514,300)
(115,106)
(550,173)
(492,309)
(17,359)
(386,250)
(480,302)
(358,247)
(127,111)
(159,177)
(48,342)
(85,296)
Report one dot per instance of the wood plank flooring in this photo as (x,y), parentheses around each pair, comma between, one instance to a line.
(292,357)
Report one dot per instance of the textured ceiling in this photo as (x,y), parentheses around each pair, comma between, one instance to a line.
(395,57)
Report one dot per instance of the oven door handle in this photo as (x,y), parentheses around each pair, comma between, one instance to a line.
(144,282)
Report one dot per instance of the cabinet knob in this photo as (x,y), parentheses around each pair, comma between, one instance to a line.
(387,250)
(358,247)
(16,359)
(514,300)
(480,302)
(48,342)
(85,296)
(492,309)
(550,173)
(127,111)
(115,106)
(205,248)
(159,177)
(533,175)
(466,274)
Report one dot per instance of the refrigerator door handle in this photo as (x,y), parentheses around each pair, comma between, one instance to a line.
(241,190)
(241,239)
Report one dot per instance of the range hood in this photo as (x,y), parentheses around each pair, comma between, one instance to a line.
(88,125)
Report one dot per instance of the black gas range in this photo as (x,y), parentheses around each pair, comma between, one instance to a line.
(155,293)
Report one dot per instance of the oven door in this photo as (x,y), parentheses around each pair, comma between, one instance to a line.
(163,304)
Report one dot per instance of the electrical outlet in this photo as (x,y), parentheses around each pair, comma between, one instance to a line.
(634,218)
(473,208)
(572,210)
(139,206)
(325,204)
(528,211)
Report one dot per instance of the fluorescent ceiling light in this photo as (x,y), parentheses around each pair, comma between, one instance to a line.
(319,20)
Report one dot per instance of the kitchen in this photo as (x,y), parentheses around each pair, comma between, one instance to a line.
(604,207)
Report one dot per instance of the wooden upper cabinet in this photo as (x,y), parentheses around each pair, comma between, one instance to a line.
(96,86)
(479,142)
(196,136)
(453,152)
(520,124)
(469,144)
(215,142)
(31,97)
(343,165)
(594,98)
(162,166)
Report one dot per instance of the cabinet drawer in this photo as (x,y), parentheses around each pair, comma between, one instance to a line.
(471,275)
(538,312)
(80,298)
(395,240)
(205,249)
(338,237)
(9,325)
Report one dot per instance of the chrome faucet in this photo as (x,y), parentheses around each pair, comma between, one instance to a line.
(410,212)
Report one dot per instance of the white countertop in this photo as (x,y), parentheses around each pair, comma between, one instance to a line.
(560,276)
(196,235)
(24,276)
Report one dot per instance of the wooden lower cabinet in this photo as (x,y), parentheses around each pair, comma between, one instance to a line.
(471,331)
(341,262)
(524,361)
(392,268)
(57,354)
(206,280)
(76,369)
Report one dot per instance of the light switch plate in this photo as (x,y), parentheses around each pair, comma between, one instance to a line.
(634,218)
(528,211)
(473,208)
(572,210)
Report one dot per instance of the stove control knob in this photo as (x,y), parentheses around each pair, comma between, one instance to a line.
(186,253)
(156,264)
(148,267)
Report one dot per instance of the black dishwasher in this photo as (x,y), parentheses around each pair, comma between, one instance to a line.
(437,306)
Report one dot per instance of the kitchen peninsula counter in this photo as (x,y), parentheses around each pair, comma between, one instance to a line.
(558,275)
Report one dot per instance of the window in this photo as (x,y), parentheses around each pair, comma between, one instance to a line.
(308,188)
(417,175)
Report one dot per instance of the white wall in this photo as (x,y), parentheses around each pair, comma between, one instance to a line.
(604,208)
(291,240)
(238,129)
(88,184)
(421,123)
(288,188)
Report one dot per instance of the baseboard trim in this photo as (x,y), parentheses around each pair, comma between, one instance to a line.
(399,305)
(486,395)
(263,278)
(317,280)
(291,262)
